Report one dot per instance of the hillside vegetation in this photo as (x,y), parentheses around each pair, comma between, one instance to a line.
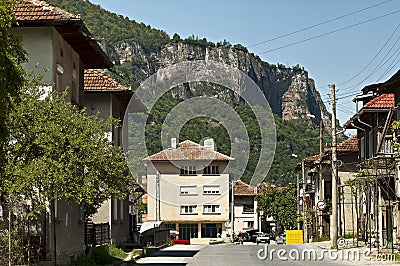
(292,137)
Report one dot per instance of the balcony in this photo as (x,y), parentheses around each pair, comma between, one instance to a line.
(310,188)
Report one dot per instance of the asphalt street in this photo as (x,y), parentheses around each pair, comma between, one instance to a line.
(247,254)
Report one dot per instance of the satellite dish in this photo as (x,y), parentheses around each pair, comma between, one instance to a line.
(228,224)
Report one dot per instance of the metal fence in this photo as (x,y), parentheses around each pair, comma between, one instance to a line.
(97,234)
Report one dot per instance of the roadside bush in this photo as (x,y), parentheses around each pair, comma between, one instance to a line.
(320,238)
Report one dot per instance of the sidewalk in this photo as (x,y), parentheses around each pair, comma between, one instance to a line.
(361,255)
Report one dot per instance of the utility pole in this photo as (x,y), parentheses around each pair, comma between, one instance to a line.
(320,185)
(298,200)
(232,211)
(334,219)
(158,201)
(305,227)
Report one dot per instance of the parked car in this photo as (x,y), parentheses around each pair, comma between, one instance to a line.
(281,239)
(263,238)
(175,238)
(272,235)
(255,235)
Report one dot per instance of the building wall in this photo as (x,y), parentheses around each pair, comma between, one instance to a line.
(119,221)
(171,199)
(47,52)
(38,43)
(68,59)
(69,232)
(243,217)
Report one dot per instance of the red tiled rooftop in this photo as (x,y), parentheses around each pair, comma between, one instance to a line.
(40,10)
(312,158)
(242,189)
(188,150)
(97,81)
(351,144)
(383,101)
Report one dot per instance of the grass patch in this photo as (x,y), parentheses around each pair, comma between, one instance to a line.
(217,242)
(107,254)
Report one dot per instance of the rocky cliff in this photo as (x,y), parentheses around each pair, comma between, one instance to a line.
(289,91)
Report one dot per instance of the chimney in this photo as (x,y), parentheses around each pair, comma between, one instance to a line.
(173,143)
(209,144)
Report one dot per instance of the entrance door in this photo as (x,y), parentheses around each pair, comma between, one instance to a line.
(188,231)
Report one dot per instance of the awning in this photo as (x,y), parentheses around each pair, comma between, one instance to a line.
(146,226)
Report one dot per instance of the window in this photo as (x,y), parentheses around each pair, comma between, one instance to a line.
(188,170)
(211,170)
(211,189)
(188,190)
(248,224)
(248,208)
(211,209)
(189,209)
(211,230)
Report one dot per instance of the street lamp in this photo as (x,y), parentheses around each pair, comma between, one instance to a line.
(232,183)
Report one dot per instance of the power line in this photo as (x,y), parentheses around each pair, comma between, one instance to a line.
(380,64)
(376,55)
(319,24)
(328,33)
(390,67)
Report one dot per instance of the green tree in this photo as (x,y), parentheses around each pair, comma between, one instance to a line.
(280,203)
(58,152)
(11,70)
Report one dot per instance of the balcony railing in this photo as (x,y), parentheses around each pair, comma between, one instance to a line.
(387,147)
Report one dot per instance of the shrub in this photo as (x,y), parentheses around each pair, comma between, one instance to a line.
(107,254)
(320,238)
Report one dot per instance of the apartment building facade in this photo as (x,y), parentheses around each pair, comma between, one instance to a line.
(188,189)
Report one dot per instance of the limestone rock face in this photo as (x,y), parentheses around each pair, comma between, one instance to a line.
(290,92)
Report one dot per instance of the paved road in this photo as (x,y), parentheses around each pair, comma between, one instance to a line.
(191,255)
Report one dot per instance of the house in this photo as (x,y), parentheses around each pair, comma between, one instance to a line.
(379,167)
(188,189)
(106,97)
(59,47)
(245,207)
(317,187)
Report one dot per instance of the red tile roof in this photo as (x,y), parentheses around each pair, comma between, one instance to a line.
(383,101)
(36,13)
(97,81)
(351,144)
(40,10)
(242,189)
(312,158)
(188,151)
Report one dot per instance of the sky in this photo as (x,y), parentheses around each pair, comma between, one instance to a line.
(366,52)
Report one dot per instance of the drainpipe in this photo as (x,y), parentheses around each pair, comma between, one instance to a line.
(358,119)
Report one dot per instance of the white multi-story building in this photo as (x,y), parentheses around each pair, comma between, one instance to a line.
(188,189)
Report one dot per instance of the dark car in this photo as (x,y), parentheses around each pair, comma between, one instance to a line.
(272,235)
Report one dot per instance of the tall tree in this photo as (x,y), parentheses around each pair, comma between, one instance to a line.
(12,73)
(280,203)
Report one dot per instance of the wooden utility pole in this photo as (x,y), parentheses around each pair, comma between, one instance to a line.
(334,216)
(321,182)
